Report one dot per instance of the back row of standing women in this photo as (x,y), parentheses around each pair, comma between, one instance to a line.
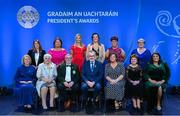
(78,51)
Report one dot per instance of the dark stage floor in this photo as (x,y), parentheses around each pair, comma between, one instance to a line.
(8,107)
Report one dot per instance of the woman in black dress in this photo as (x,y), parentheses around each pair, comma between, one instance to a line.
(134,82)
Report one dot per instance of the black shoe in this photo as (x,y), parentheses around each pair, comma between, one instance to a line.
(158,112)
(51,108)
(83,104)
(60,107)
(134,109)
(140,111)
(29,109)
(74,107)
(150,112)
(60,110)
(44,109)
(26,109)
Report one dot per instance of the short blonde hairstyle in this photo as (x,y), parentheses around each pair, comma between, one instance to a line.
(26,56)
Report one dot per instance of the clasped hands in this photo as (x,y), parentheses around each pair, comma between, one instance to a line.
(25,82)
(48,80)
(135,82)
(157,82)
(90,83)
(68,84)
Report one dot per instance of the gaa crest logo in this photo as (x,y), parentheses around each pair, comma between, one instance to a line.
(28,17)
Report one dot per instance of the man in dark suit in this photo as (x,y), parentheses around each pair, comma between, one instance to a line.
(92,73)
(68,77)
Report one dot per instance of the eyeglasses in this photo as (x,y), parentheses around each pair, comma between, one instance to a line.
(47,58)
(91,55)
(68,58)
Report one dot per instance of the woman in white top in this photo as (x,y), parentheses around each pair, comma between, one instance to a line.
(46,75)
(36,53)
(97,47)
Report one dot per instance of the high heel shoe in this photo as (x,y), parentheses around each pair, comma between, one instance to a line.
(159,108)
(45,109)
(51,108)
(116,105)
(25,109)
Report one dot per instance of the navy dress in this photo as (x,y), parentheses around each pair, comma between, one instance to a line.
(24,92)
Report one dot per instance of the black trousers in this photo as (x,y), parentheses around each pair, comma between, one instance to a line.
(64,94)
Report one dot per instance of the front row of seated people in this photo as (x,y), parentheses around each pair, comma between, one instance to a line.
(67,75)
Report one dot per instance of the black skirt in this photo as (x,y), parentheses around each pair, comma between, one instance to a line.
(134,91)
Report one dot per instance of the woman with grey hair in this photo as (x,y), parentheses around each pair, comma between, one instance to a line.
(143,54)
(46,75)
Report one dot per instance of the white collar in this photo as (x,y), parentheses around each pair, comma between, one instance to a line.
(138,50)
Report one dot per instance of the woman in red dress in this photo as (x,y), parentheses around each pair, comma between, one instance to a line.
(78,51)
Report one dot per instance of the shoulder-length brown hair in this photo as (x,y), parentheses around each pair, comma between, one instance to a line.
(98,38)
(40,47)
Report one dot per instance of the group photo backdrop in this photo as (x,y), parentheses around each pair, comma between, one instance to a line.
(157,21)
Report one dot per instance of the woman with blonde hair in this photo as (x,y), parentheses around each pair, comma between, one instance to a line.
(78,52)
(25,78)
